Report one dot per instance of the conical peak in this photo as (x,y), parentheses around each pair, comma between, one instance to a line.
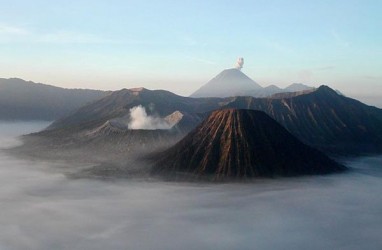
(325,91)
(242,143)
(325,88)
(232,73)
(229,82)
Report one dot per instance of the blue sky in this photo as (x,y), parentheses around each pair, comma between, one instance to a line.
(180,45)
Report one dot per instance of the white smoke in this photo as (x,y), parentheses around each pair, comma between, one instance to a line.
(239,63)
(140,120)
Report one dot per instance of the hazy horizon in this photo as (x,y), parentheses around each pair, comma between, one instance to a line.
(179,47)
(373,99)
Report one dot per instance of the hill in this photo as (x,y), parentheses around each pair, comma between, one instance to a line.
(321,118)
(119,103)
(22,100)
(242,143)
(324,119)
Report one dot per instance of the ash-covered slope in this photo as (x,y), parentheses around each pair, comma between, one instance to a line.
(22,100)
(242,143)
(119,103)
(321,118)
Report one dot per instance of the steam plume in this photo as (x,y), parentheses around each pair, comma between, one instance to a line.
(239,63)
(140,120)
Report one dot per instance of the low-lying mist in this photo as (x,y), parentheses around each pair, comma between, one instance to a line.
(43,209)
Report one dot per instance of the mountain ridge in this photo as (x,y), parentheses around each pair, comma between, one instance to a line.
(323,119)
(233,82)
(27,100)
(242,143)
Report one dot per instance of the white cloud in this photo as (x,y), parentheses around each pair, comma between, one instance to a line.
(71,37)
(275,45)
(202,60)
(15,34)
(188,40)
(339,39)
(6,29)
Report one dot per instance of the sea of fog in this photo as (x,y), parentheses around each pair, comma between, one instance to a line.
(40,208)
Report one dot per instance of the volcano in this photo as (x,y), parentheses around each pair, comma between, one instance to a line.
(233,82)
(230,82)
(236,143)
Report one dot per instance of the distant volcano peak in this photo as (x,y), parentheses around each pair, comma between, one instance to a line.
(229,82)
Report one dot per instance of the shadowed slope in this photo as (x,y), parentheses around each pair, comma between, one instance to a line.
(324,119)
(119,103)
(22,100)
(243,143)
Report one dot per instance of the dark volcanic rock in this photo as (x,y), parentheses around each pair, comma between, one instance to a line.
(242,143)
(119,103)
(321,118)
(324,119)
